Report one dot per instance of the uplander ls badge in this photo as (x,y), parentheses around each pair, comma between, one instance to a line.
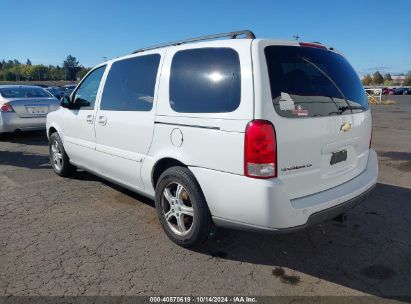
(296,167)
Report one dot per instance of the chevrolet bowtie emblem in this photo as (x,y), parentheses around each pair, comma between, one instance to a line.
(345,127)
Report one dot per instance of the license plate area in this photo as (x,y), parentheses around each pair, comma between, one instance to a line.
(337,157)
(37,110)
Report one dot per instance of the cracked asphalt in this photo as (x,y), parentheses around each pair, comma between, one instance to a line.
(85,236)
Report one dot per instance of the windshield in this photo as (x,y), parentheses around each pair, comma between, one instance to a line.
(308,82)
(24,92)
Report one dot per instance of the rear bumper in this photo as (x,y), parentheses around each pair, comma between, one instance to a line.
(313,219)
(10,122)
(330,213)
(243,203)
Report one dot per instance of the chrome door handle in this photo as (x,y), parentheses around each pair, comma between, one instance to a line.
(90,119)
(102,120)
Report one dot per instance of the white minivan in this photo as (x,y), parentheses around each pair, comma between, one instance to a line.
(242,132)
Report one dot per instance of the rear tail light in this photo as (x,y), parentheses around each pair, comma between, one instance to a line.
(6,107)
(260,150)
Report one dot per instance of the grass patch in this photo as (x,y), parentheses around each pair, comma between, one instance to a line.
(375,101)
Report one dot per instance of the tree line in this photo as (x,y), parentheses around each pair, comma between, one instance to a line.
(72,70)
(386,80)
(14,70)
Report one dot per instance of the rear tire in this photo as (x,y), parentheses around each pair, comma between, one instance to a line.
(182,208)
(58,157)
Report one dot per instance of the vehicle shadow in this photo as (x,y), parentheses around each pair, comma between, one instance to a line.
(24,160)
(371,252)
(33,138)
(86,176)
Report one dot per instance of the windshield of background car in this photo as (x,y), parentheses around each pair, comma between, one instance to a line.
(20,92)
(311,82)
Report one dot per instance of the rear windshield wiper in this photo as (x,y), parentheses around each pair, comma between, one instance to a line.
(342,109)
(331,80)
(345,108)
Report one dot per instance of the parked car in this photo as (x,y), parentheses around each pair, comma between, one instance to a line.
(407,91)
(247,133)
(66,93)
(41,85)
(25,108)
(57,92)
(69,87)
(399,91)
(387,91)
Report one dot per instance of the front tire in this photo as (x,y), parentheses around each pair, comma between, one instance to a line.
(58,157)
(182,208)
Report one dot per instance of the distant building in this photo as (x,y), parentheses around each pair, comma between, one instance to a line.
(398,79)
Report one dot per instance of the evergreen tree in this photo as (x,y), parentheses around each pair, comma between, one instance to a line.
(367,80)
(377,78)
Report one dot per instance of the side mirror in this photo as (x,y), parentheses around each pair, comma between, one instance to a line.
(65,102)
(79,103)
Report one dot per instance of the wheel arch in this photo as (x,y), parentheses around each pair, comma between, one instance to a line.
(53,128)
(162,165)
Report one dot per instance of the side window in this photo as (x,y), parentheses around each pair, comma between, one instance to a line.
(130,84)
(86,94)
(206,80)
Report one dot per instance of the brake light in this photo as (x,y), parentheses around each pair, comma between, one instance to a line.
(260,150)
(6,107)
(312,45)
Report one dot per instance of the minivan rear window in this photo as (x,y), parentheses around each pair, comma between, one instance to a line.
(311,82)
(205,80)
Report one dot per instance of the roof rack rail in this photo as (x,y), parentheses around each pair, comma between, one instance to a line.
(233,35)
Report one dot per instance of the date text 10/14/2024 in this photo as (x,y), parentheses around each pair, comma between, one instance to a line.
(203,299)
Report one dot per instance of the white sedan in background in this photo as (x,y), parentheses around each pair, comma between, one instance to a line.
(24,108)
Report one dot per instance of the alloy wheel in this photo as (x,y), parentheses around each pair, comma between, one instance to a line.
(177,209)
(56,155)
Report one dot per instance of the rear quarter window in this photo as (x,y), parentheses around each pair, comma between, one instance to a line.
(205,80)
